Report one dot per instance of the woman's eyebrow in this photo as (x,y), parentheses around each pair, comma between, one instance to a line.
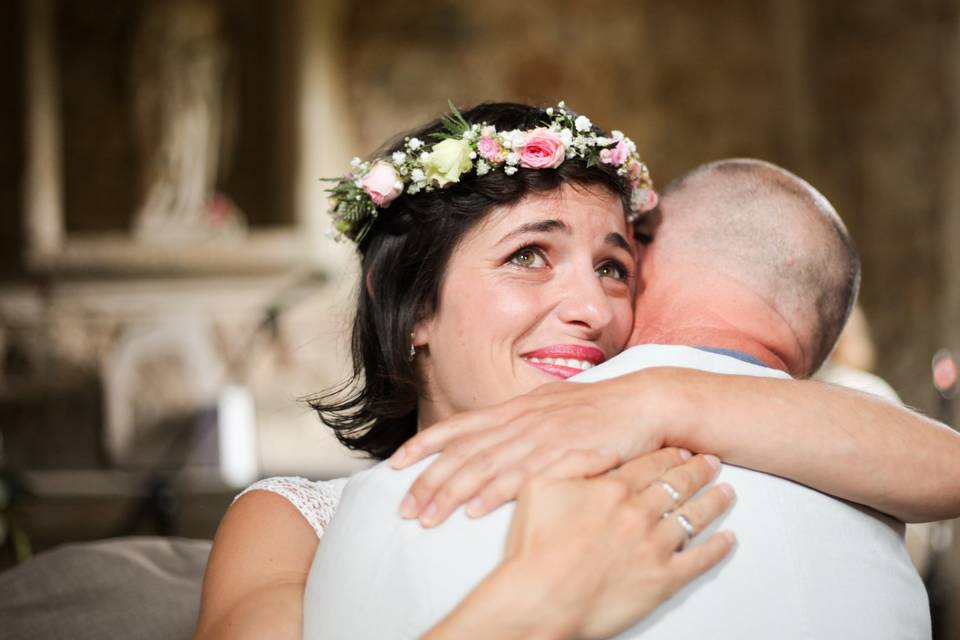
(540,226)
(615,239)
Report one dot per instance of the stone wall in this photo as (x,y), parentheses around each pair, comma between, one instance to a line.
(879,80)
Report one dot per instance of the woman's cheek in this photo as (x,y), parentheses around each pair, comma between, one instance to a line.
(623,323)
(507,299)
(516,302)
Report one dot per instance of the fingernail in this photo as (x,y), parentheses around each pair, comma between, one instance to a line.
(429,515)
(475,507)
(731,539)
(727,490)
(713,460)
(408,508)
(398,457)
(685,454)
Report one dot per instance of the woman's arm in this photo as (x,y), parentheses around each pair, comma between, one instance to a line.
(255,577)
(842,442)
(846,443)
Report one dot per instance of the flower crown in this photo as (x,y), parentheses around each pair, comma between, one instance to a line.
(360,196)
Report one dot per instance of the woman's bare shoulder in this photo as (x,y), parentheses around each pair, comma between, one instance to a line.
(263,528)
(261,556)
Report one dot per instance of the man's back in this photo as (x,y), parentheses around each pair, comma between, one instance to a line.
(807,565)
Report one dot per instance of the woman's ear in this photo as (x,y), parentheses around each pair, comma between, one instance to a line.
(368,281)
(420,336)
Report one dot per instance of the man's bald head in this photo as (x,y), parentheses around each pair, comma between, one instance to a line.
(774,234)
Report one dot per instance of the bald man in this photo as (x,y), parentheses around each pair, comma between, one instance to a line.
(751,258)
(751,273)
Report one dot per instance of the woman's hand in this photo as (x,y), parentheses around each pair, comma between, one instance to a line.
(487,455)
(587,558)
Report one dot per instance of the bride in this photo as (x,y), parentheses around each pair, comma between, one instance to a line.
(499,175)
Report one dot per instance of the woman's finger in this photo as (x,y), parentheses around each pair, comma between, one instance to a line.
(466,481)
(700,558)
(543,464)
(454,456)
(579,463)
(678,484)
(440,435)
(641,471)
(502,489)
(698,514)
(437,437)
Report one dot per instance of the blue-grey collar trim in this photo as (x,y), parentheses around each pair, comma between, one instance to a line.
(739,355)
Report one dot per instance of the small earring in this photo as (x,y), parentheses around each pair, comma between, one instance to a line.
(413,353)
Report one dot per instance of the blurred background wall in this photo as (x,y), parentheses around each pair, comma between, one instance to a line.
(860,98)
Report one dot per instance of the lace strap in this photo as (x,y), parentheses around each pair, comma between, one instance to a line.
(316,501)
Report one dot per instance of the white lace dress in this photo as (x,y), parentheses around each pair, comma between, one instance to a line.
(315,500)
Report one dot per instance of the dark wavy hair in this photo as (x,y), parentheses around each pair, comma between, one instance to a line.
(404,258)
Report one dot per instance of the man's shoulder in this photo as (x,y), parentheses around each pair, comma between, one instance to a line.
(381,486)
(382,474)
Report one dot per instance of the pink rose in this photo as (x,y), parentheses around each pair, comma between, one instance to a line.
(615,156)
(382,183)
(490,150)
(543,149)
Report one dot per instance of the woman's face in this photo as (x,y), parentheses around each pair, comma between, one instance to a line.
(535,293)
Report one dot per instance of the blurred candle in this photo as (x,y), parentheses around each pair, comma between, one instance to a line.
(236,428)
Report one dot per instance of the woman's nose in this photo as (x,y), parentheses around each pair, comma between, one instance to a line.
(585,303)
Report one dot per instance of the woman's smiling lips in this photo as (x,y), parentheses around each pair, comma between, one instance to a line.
(564,360)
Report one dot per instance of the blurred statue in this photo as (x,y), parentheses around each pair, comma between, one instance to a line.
(182,115)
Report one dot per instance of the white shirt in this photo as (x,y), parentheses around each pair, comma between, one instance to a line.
(807,566)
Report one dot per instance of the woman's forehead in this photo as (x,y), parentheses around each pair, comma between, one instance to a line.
(577,211)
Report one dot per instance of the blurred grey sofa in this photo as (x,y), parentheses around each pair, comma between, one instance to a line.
(131,588)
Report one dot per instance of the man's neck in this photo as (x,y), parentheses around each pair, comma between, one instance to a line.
(713,338)
(694,306)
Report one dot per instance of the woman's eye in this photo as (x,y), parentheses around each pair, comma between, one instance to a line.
(612,270)
(528,257)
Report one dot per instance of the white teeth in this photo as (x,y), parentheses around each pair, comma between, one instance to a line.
(583,365)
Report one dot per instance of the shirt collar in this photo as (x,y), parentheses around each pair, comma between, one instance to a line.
(739,355)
